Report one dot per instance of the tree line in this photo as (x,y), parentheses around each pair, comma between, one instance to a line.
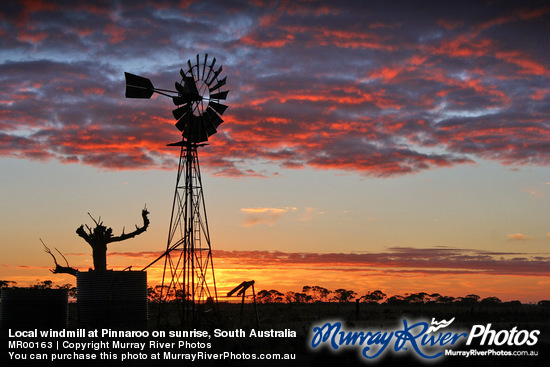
(313,294)
(45,284)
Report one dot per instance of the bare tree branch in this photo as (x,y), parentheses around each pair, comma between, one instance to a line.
(138,230)
(58,268)
(64,258)
(47,250)
(95,221)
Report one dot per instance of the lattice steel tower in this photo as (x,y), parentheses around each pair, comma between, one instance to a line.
(188,276)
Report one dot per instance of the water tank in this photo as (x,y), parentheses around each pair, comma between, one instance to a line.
(33,308)
(113,299)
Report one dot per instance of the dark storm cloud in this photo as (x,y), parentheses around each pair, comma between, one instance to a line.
(379,88)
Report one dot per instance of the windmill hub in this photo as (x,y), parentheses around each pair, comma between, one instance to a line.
(203,99)
(197,96)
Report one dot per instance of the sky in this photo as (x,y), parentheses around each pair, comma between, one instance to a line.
(393,145)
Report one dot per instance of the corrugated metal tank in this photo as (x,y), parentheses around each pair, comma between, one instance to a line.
(116,299)
(32,308)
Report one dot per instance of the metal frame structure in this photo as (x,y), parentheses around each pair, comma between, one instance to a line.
(188,257)
(241,291)
(188,266)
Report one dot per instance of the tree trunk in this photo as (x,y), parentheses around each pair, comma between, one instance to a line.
(99,254)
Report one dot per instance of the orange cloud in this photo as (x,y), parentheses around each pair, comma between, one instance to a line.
(264,215)
(519,237)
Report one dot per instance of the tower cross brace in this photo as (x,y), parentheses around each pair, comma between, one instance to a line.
(188,275)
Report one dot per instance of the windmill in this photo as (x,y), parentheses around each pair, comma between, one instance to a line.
(188,267)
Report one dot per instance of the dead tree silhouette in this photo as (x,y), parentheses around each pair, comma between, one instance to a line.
(100,236)
(58,268)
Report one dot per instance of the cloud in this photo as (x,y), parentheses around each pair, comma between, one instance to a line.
(536,193)
(439,260)
(519,237)
(396,260)
(310,213)
(268,216)
(379,91)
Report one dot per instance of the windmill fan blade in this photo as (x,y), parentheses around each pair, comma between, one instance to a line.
(193,128)
(190,86)
(201,136)
(220,95)
(198,69)
(138,86)
(213,117)
(190,67)
(216,73)
(181,123)
(204,65)
(220,84)
(210,70)
(211,131)
(179,87)
(195,131)
(180,111)
(209,125)
(218,107)
(186,121)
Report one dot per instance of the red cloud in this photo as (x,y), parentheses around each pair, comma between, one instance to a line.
(450,260)
(526,65)
(353,40)
(398,259)
(380,92)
